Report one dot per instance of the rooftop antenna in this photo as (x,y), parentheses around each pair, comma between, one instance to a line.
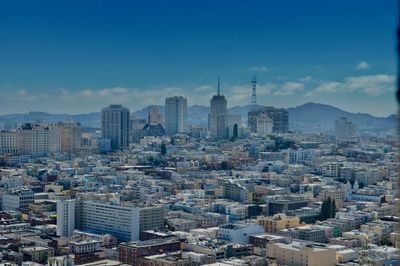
(219,87)
(253,89)
(148,114)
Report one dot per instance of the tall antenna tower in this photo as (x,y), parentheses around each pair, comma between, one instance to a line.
(219,87)
(253,89)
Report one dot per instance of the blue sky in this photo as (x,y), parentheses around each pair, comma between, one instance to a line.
(77,56)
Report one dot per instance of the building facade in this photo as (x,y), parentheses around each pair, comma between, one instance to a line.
(175,115)
(115,126)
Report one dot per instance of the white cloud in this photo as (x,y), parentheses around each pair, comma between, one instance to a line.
(289,88)
(371,85)
(362,65)
(265,89)
(305,79)
(259,69)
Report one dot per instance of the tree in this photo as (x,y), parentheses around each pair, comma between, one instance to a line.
(163,149)
(224,165)
(333,209)
(325,209)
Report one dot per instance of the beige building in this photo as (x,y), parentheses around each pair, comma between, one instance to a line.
(273,224)
(302,254)
(39,139)
(37,253)
(151,218)
(8,142)
(71,137)
(335,193)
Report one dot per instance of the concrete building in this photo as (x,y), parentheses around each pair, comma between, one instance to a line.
(39,139)
(239,233)
(17,199)
(279,116)
(71,137)
(302,254)
(66,217)
(218,115)
(115,126)
(8,142)
(273,224)
(175,115)
(344,129)
(131,253)
(151,218)
(97,217)
(275,206)
(237,192)
(264,125)
(37,254)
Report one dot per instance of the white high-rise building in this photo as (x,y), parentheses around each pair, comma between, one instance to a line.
(39,139)
(115,126)
(175,115)
(66,217)
(264,125)
(218,115)
(106,218)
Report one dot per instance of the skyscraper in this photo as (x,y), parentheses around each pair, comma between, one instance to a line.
(279,116)
(115,126)
(175,115)
(71,137)
(344,129)
(218,114)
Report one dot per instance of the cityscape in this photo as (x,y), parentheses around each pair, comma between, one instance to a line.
(165,178)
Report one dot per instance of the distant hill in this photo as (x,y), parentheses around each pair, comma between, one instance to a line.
(318,117)
(309,117)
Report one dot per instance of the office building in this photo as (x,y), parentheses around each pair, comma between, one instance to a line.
(218,115)
(264,125)
(115,126)
(344,129)
(106,218)
(151,218)
(71,137)
(65,217)
(175,115)
(279,116)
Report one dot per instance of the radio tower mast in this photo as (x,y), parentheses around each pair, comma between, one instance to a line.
(253,89)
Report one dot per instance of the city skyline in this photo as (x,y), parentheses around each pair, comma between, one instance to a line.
(77,56)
